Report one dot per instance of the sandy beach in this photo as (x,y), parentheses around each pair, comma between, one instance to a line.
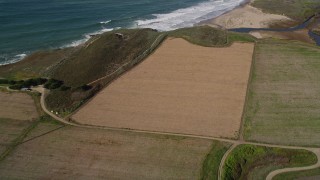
(247,16)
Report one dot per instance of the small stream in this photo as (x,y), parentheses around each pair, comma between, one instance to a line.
(301,26)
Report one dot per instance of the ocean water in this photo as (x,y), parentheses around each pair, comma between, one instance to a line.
(30,25)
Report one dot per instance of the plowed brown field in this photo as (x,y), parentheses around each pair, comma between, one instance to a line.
(17,106)
(181,88)
(81,153)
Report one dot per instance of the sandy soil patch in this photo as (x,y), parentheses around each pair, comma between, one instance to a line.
(247,16)
(77,153)
(181,88)
(17,106)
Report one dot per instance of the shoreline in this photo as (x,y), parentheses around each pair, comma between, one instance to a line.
(242,16)
(208,21)
(246,16)
(80,42)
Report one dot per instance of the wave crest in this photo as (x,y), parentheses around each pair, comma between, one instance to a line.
(187,17)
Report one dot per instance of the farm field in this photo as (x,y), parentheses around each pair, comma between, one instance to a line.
(18,106)
(18,112)
(66,152)
(283,105)
(181,88)
(9,131)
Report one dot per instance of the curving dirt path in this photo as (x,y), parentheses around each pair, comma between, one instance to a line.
(285,170)
(224,158)
(234,142)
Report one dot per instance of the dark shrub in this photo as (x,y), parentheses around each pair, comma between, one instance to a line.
(53,84)
(85,87)
(16,86)
(4,81)
(12,82)
(64,88)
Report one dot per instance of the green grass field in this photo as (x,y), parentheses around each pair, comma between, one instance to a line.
(283,100)
(256,162)
(210,37)
(298,10)
(211,163)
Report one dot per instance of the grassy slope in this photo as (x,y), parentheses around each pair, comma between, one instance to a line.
(317,29)
(103,56)
(212,161)
(313,174)
(107,154)
(37,64)
(252,162)
(283,106)
(296,9)
(210,37)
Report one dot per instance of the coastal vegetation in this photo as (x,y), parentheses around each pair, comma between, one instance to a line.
(313,174)
(210,37)
(102,55)
(282,106)
(316,29)
(36,65)
(299,10)
(210,167)
(17,85)
(256,162)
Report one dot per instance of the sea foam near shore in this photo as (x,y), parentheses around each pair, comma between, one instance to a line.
(190,16)
(61,30)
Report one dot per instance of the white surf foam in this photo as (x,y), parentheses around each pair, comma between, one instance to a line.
(15,59)
(187,17)
(105,22)
(87,37)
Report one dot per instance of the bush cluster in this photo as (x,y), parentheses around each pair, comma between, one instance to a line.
(53,84)
(23,83)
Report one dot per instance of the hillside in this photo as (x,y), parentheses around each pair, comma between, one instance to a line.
(106,57)
(38,64)
(103,55)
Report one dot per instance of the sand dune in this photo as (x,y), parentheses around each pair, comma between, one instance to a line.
(247,16)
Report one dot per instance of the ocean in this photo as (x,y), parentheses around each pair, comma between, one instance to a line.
(30,25)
